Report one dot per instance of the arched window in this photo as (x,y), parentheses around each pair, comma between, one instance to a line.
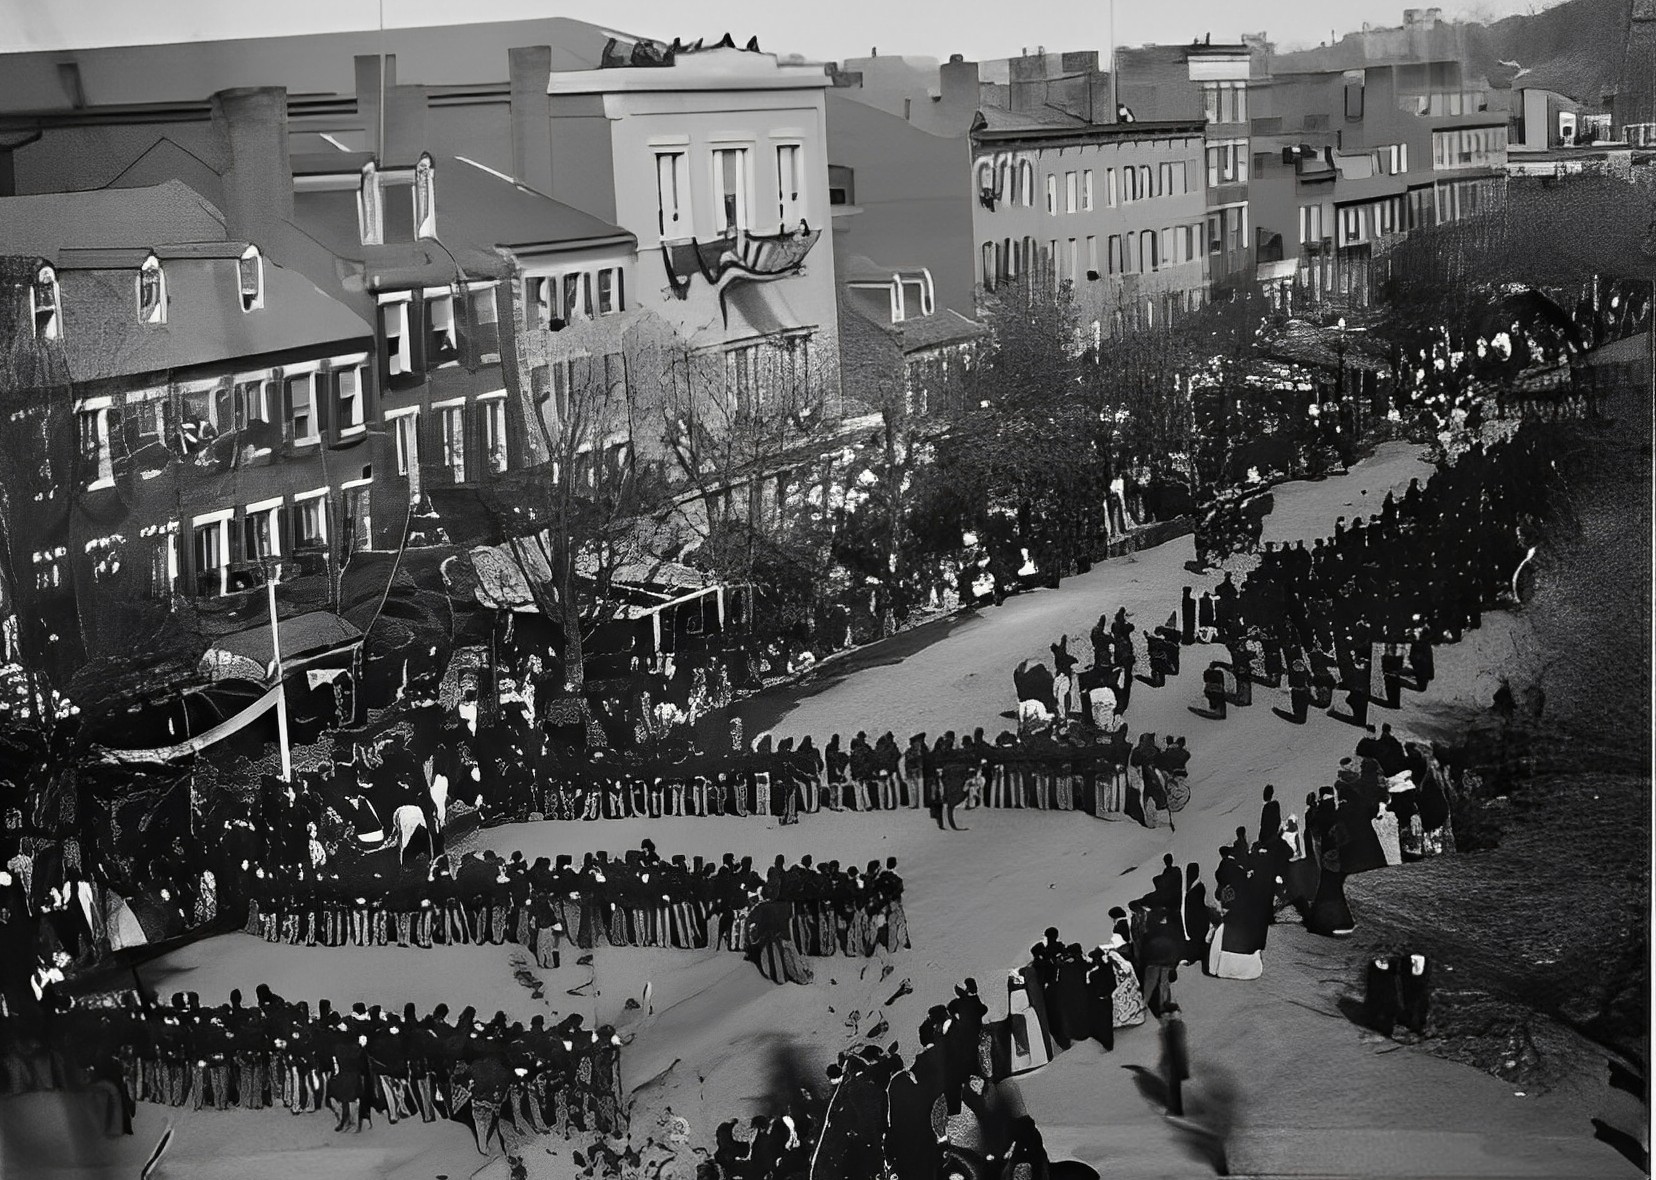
(1001,171)
(985,176)
(1146,189)
(250,276)
(152,292)
(1026,181)
(370,212)
(44,306)
(425,198)
(1011,257)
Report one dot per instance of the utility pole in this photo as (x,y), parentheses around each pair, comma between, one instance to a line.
(281,684)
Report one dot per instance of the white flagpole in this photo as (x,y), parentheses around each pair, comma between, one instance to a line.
(281,686)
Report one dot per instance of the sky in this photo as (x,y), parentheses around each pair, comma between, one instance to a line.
(820,29)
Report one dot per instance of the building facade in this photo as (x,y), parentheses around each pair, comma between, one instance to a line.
(1347,162)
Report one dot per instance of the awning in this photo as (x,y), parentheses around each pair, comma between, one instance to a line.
(245,655)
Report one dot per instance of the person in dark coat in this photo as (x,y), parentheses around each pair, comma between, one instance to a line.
(1101,985)
(1270,818)
(1175,1059)
(1415,992)
(1197,919)
(954,774)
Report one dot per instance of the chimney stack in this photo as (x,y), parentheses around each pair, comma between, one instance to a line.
(258,185)
(531,66)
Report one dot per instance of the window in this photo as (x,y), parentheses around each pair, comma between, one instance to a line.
(1114,250)
(1052,193)
(842,185)
(730,183)
(370,214)
(252,400)
(348,399)
(425,198)
(1087,190)
(359,517)
(1165,178)
(163,570)
(405,436)
(1026,182)
(452,420)
(1072,192)
(96,459)
(1110,187)
(152,292)
(576,300)
(1092,256)
(1074,258)
(1144,182)
(988,266)
(310,520)
(1009,259)
(262,531)
(673,195)
(442,346)
(1148,259)
(611,291)
(790,183)
(250,271)
(212,554)
(399,358)
(1354,99)
(43,304)
(492,412)
(537,301)
(485,308)
(1210,102)
(301,410)
(1351,225)
(49,568)
(1311,224)
(1052,260)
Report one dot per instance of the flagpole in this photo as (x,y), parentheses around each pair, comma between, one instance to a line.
(281,684)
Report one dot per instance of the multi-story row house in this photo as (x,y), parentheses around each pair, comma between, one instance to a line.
(1116,209)
(193,418)
(1346,162)
(1161,83)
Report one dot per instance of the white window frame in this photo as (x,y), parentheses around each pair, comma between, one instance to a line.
(150,270)
(357,401)
(46,327)
(425,198)
(303,502)
(723,225)
(492,435)
(1111,192)
(1072,192)
(1052,194)
(399,361)
(345,490)
(791,204)
(452,443)
(271,510)
(310,383)
(222,519)
(439,304)
(255,299)
(1087,189)
(100,408)
(680,225)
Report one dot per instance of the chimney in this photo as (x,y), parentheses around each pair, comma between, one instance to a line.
(405,124)
(957,84)
(369,85)
(258,185)
(531,66)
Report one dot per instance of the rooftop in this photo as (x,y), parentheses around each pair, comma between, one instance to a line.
(169,213)
(321,63)
(716,68)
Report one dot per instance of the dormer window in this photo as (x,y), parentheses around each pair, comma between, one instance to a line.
(425,198)
(152,292)
(370,212)
(44,306)
(250,272)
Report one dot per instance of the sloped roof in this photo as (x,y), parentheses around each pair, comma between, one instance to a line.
(167,213)
(918,333)
(205,322)
(478,212)
(995,119)
(321,63)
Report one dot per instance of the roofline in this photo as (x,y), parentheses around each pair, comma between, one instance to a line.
(569,245)
(1137,130)
(667,79)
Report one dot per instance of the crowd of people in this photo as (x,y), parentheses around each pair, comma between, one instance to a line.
(638,899)
(539,1078)
(940,1113)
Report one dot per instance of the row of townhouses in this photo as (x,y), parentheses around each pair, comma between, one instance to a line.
(297,308)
